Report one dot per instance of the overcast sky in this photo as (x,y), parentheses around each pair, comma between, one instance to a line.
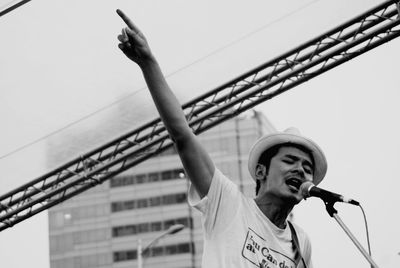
(61,70)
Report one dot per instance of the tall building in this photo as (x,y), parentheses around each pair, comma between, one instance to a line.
(102,227)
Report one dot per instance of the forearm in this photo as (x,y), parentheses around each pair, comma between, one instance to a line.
(166,103)
(198,165)
(195,159)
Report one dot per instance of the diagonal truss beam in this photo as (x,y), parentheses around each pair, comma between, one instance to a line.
(351,39)
(13,6)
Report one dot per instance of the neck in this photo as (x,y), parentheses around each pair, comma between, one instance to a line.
(276,210)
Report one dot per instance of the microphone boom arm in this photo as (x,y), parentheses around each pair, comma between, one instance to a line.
(333,213)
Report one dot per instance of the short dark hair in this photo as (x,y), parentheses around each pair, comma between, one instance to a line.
(266,156)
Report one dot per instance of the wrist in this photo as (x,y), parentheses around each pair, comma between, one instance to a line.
(148,62)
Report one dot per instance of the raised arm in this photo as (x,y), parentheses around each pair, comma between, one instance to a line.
(196,161)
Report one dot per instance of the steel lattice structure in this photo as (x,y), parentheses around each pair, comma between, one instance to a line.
(351,39)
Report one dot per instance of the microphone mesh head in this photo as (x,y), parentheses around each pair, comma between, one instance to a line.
(305,188)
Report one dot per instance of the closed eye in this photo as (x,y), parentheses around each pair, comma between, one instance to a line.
(308,169)
(289,159)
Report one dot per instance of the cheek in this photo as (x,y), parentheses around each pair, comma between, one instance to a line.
(309,177)
(276,172)
(274,178)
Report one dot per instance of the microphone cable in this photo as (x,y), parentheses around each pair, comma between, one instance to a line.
(366,230)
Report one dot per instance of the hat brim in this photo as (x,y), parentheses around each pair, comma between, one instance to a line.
(268,141)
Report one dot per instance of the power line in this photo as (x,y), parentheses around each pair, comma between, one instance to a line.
(218,50)
(14,6)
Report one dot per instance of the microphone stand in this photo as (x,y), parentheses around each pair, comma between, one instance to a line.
(333,213)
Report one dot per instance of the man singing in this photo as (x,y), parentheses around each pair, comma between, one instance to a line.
(238,231)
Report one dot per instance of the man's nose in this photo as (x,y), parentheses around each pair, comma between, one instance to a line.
(299,169)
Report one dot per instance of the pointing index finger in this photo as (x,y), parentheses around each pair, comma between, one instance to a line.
(127,20)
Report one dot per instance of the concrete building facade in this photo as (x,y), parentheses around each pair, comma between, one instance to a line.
(101,227)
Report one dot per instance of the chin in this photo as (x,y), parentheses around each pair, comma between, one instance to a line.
(293,199)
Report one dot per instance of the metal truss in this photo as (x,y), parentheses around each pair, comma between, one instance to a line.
(351,39)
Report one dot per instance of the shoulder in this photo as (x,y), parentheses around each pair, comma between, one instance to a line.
(302,236)
(304,242)
(220,186)
(300,231)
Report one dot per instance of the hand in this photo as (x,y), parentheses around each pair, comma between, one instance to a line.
(133,43)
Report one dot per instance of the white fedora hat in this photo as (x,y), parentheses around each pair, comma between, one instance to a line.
(289,136)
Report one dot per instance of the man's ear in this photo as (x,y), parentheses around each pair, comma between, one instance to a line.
(261,172)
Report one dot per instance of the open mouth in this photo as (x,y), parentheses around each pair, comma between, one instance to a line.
(294,183)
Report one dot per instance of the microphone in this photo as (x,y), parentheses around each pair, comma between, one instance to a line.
(309,189)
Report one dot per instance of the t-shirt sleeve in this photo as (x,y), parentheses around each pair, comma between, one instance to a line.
(307,252)
(219,206)
(305,245)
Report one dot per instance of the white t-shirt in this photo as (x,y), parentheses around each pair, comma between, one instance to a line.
(238,234)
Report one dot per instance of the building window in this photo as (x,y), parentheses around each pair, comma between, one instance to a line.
(157,251)
(156,226)
(143,227)
(181,248)
(155,201)
(167,175)
(125,255)
(142,203)
(123,180)
(151,201)
(133,229)
(124,230)
(154,177)
(141,178)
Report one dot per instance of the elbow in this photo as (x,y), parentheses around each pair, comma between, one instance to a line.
(181,135)
(182,139)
